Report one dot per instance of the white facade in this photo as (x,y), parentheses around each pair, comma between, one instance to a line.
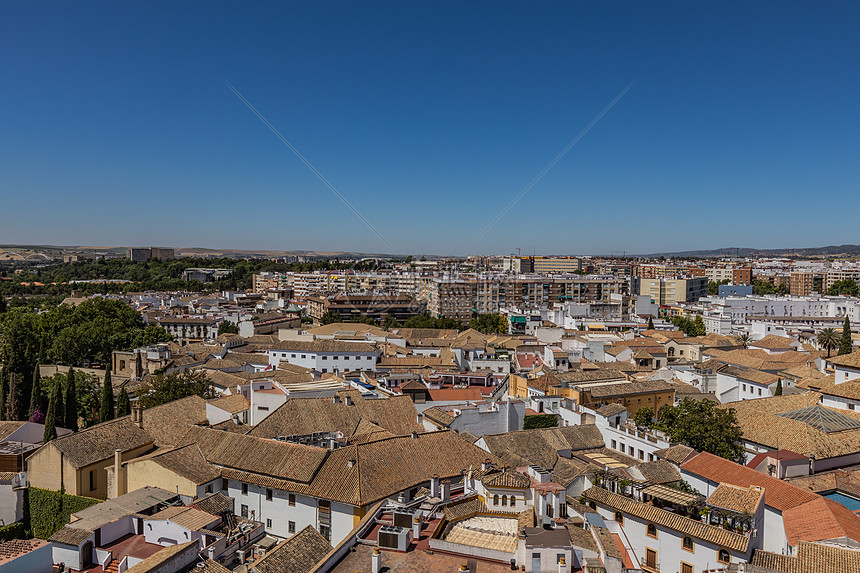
(322,361)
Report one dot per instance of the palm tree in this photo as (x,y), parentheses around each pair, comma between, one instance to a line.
(745,338)
(827,339)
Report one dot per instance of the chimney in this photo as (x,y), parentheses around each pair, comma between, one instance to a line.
(350,463)
(420,419)
(414,435)
(486,465)
(335,399)
(137,415)
(434,485)
(416,529)
(118,477)
(375,560)
(446,490)
(562,565)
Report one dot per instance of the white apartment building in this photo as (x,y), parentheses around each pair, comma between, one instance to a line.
(325,355)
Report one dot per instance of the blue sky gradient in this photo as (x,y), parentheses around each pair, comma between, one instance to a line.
(116,127)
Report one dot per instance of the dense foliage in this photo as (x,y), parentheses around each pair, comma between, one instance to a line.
(50,510)
(714,286)
(167,388)
(703,426)
(540,421)
(490,324)
(845,287)
(695,327)
(150,275)
(227,327)
(764,287)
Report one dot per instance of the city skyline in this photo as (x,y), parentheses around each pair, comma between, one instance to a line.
(430,120)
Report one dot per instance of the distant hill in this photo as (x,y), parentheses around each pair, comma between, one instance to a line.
(832,250)
(203,252)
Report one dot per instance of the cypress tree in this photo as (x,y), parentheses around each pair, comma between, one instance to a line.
(13,404)
(106,412)
(71,402)
(650,324)
(3,376)
(35,392)
(51,416)
(778,391)
(845,344)
(123,404)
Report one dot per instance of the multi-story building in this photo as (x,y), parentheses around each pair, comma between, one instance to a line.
(186,330)
(735,275)
(267,280)
(653,271)
(668,291)
(372,305)
(141,255)
(542,264)
(836,275)
(805,283)
(461,298)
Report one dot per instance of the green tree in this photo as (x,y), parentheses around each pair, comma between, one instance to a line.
(123,404)
(846,287)
(162,388)
(650,323)
(106,409)
(763,287)
(828,339)
(703,426)
(53,414)
(227,327)
(4,376)
(699,325)
(389,322)
(644,417)
(13,397)
(35,392)
(330,317)
(778,390)
(71,401)
(491,323)
(845,344)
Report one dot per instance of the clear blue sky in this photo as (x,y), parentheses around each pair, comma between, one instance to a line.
(116,126)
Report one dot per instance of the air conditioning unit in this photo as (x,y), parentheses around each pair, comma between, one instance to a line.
(393,537)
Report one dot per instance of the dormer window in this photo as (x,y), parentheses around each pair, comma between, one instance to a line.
(651,530)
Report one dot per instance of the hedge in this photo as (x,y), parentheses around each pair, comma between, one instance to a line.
(540,421)
(15,530)
(50,510)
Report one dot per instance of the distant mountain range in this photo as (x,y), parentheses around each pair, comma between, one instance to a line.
(832,250)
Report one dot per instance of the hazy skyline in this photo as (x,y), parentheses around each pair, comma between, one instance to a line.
(742,127)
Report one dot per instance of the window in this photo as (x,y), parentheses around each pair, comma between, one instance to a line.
(224,483)
(686,568)
(245,511)
(505,500)
(723,556)
(268,494)
(687,544)
(209,488)
(325,531)
(745,387)
(92,480)
(291,526)
(496,499)
(303,356)
(619,517)
(244,489)
(759,391)
(651,530)
(325,357)
(292,499)
(650,559)
(614,445)
(269,523)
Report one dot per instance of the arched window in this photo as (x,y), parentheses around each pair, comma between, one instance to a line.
(496,499)
(513,501)
(723,556)
(619,517)
(651,530)
(505,500)
(687,544)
